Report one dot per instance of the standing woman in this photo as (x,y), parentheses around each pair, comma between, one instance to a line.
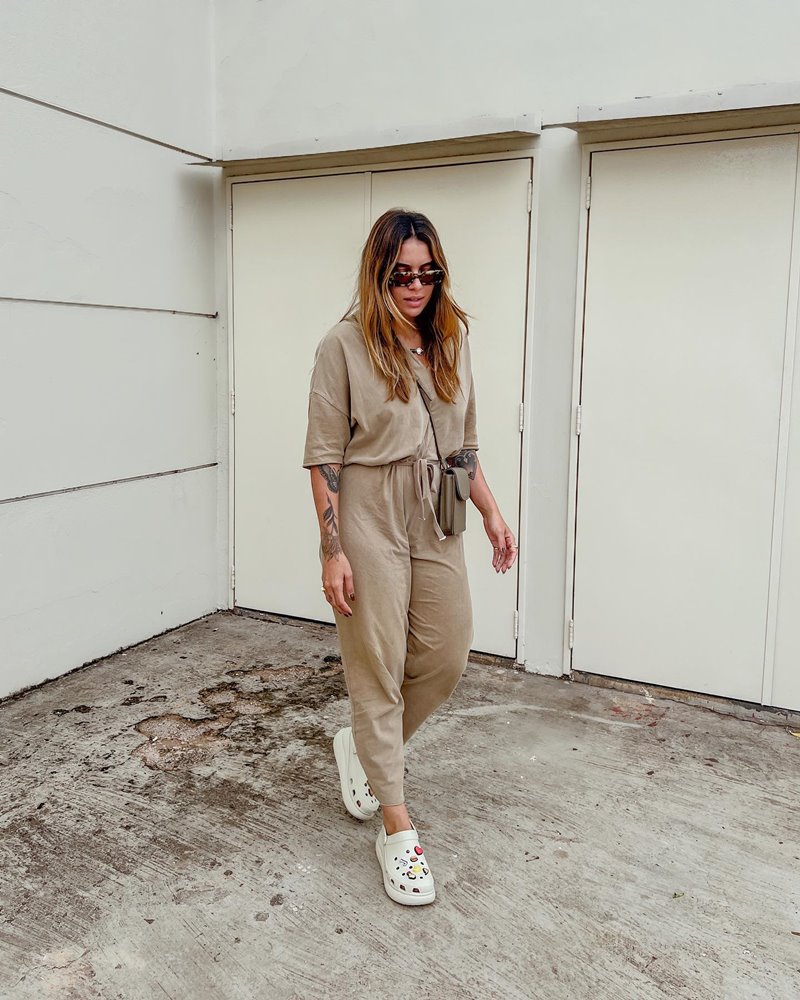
(397,585)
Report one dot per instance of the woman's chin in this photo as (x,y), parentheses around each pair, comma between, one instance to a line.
(413,313)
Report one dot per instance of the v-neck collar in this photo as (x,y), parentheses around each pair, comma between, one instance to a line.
(418,363)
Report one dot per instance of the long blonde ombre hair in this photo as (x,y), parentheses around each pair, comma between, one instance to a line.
(442,323)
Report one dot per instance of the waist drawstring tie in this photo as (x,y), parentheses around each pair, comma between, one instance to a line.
(422,488)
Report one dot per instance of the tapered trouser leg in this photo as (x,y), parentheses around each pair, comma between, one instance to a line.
(439,631)
(405,647)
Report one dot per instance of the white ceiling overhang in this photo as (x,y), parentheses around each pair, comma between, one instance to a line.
(731,107)
(455,137)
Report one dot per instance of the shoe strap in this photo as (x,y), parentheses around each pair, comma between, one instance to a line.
(402,837)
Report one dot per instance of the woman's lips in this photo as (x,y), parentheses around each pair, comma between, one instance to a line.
(414,302)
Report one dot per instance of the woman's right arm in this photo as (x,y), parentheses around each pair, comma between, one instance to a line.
(337,576)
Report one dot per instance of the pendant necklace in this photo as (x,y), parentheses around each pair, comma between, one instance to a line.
(417,350)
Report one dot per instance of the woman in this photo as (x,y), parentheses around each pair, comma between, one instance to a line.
(398,587)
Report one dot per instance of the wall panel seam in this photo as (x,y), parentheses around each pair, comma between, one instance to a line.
(108,482)
(102,124)
(109,305)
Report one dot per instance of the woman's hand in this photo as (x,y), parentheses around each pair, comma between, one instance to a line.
(504,546)
(337,582)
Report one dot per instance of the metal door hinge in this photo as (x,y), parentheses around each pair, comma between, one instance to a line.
(233,577)
(516,624)
(521,417)
(571,633)
(233,402)
(530,195)
(588,190)
(578,419)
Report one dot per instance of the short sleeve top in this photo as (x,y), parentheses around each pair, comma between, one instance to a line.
(351,422)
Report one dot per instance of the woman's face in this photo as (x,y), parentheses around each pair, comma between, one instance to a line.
(412,299)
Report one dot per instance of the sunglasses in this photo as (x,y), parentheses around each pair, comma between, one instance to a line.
(404,278)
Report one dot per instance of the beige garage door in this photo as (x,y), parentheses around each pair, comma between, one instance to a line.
(688,274)
(296,245)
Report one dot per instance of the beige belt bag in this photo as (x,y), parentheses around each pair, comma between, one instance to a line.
(453,489)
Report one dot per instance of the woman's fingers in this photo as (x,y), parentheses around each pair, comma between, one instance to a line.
(337,582)
(335,597)
(510,551)
(335,591)
(504,550)
(340,603)
(345,590)
(498,550)
(504,547)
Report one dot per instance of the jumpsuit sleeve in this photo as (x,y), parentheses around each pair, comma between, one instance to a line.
(328,431)
(471,417)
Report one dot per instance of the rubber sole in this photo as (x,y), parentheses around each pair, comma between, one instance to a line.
(406,898)
(341,751)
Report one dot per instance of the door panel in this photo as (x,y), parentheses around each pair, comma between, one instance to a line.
(480,212)
(687,277)
(296,245)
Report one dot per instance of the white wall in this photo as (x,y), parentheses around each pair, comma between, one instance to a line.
(549,418)
(143,66)
(109,474)
(114,513)
(303,73)
(297,79)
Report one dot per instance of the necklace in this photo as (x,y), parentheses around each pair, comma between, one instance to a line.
(417,350)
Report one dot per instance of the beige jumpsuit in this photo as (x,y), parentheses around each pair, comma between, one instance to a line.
(405,647)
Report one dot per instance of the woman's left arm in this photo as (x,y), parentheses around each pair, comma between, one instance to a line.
(504,546)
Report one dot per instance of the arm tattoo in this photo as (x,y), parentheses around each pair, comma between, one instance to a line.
(466,459)
(331,474)
(331,547)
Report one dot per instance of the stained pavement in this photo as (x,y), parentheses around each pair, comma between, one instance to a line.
(171,826)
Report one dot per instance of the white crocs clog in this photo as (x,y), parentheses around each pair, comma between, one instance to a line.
(407,876)
(356,793)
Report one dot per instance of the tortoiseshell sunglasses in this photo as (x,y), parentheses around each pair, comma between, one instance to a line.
(404,278)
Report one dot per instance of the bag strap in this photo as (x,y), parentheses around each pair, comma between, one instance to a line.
(423,394)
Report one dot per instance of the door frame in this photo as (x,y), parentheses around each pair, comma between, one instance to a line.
(791,335)
(528,152)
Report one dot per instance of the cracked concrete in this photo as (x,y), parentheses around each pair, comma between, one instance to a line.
(172,827)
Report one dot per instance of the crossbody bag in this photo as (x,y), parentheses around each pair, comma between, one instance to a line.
(453,489)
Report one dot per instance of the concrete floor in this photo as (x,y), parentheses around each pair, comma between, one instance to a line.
(172,827)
